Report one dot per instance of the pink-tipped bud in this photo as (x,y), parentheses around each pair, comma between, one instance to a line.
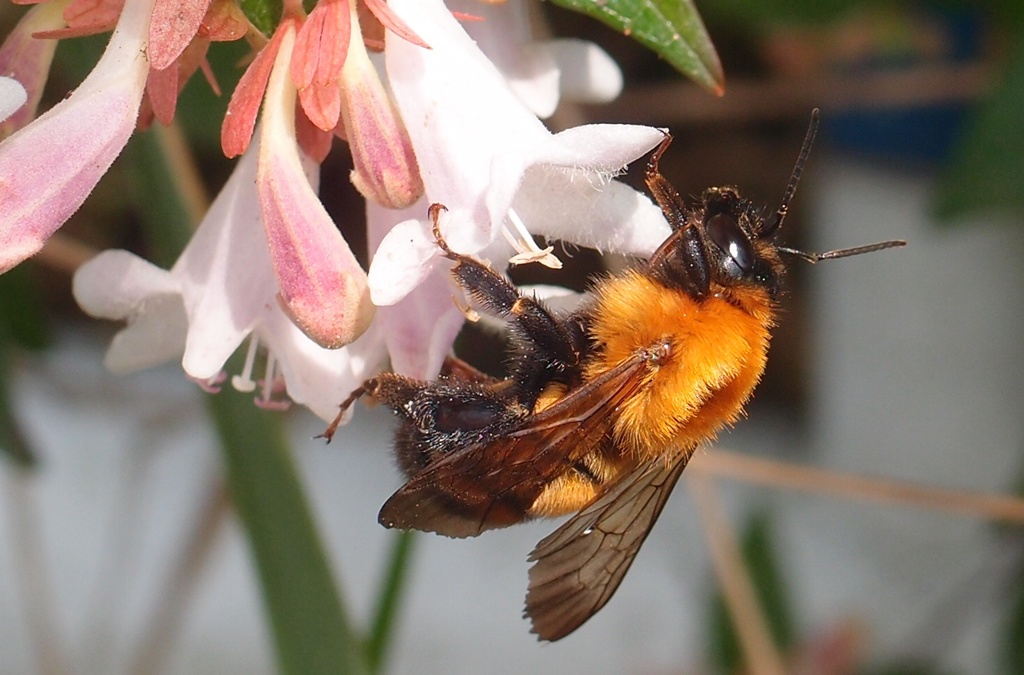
(322,287)
(385,164)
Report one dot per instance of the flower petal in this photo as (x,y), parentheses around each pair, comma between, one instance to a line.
(607,216)
(408,254)
(244,106)
(320,48)
(225,274)
(419,330)
(564,188)
(322,287)
(48,168)
(115,284)
(319,378)
(602,148)
(385,166)
(388,19)
(586,73)
(12,97)
(175,23)
(420,327)
(504,35)
(224,21)
(453,100)
(119,285)
(404,259)
(86,17)
(27,60)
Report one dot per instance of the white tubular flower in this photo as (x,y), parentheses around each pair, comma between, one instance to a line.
(221,290)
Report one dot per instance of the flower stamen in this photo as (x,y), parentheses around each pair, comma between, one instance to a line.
(271,386)
(467,310)
(244,381)
(528,250)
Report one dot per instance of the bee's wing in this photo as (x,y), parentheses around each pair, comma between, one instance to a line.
(495,482)
(580,565)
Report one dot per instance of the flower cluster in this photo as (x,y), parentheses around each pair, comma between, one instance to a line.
(437,103)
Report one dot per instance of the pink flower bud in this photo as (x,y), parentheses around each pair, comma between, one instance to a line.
(322,287)
(385,165)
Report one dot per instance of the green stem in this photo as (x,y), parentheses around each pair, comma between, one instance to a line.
(388,601)
(307,616)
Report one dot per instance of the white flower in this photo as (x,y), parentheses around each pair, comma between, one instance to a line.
(420,328)
(539,72)
(487,158)
(12,97)
(221,290)
(500,173)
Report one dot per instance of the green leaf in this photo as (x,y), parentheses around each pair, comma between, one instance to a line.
(264,14)
(672,28)
(984,174)
(311,630)
(771,595)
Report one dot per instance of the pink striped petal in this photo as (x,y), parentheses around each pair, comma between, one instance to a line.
(48,168)
(385,164)
(175,23)
(322,287)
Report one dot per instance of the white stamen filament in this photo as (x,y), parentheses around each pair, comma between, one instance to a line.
(244,381)
(528,250)
(268,377)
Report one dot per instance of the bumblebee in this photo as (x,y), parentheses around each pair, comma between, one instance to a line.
(604,407)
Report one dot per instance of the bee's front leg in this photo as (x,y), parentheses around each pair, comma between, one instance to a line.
(387,388)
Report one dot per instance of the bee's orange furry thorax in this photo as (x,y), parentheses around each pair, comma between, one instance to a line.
(718,345)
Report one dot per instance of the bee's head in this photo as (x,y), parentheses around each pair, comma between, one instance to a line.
(727,243)
(739,242)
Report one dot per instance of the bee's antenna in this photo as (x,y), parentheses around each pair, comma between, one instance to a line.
(842,252)
(775,221)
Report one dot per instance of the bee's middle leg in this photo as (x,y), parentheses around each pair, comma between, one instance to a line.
(557,341)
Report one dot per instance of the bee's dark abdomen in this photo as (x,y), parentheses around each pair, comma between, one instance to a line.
(443,417)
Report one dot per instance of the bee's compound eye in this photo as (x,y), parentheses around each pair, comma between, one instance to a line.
(727,235)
